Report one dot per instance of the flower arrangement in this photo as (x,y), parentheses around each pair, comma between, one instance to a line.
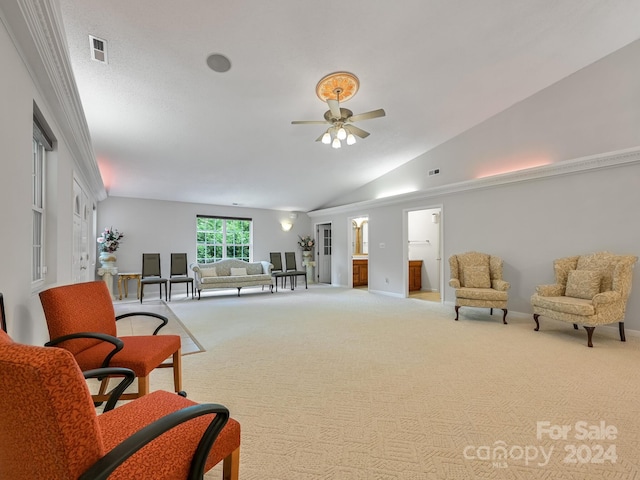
(306,243)
(109,240)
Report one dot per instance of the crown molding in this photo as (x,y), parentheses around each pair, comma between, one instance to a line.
(45,26)
(566,167)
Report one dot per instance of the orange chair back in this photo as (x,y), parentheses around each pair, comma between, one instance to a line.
(81,307)
(4,338)
(46,412)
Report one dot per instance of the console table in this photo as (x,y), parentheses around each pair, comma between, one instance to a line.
(124,278)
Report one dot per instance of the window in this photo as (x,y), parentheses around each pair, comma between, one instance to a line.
(41,144)
(223,237)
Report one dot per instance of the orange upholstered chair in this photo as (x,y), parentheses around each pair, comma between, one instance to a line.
(49,427)
(81,319)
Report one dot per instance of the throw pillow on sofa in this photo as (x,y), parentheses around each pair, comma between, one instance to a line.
(208,272)
(238,271)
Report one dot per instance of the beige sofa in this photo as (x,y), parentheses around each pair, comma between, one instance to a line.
(590,290)
(231,273)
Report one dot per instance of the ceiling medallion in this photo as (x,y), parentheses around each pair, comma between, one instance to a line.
(337,86)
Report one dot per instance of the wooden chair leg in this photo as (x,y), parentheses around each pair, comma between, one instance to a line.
(143,385)
(102,392)
(589,335)
(621,329)
(504,317)
(231,465)
(177,370)
(457,308)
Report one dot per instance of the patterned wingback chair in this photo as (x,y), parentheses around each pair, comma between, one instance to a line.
(590,290)
(477,278)
(49,427)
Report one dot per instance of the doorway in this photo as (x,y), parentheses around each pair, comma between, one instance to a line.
(83,218)
(424,254)
(323,253)
(359,240)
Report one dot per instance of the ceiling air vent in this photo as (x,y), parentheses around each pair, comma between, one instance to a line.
(98,49)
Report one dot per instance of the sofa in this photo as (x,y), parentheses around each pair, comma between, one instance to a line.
(231,273)
(590,290)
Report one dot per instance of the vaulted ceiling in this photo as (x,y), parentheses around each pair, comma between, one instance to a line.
(166,126)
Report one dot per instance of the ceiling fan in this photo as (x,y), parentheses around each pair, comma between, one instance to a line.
(332,89)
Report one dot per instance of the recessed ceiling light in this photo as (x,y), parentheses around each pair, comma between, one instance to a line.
(218,63)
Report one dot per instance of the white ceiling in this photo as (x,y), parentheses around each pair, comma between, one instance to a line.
(165,126)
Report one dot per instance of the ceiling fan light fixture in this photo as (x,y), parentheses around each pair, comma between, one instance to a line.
(351,139)
(326,138)
(342,133)
(336,143)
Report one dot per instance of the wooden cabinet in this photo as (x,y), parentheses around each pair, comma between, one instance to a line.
(360,272)
(415,275)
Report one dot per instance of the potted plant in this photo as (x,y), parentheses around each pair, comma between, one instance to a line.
(306,243)
(108,243)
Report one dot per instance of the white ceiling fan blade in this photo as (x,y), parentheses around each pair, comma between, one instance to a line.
(309,122)
(366,116)
(356,131)
(334,106)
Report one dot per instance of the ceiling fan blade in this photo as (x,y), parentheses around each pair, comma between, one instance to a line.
(319,139)
(366,116)
(309,122)
(356,131)
(334,106)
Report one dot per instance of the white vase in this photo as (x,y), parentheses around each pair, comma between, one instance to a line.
(107,259)
(307,254)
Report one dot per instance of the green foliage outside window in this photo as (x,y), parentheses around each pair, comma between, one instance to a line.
(219,238)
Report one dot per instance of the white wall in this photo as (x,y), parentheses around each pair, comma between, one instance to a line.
(155,226)
(21,84)
(593,111)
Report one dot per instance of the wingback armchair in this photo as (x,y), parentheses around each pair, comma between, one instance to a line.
(477,278)
(590,290)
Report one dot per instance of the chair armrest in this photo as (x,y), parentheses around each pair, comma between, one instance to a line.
(164,319)
(605,298)
(266,266)
(197,274)
(501,285)
(454,282)
(555,290)
(115,341)
(121,452)
(114,396)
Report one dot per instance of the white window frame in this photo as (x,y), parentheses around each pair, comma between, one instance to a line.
(41,144)
(225,244)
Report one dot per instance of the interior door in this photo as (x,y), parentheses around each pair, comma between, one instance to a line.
(82,217)
(323,262)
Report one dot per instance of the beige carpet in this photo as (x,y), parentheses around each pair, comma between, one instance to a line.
(333,383)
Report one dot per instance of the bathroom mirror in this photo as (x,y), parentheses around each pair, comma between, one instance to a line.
(360,236)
